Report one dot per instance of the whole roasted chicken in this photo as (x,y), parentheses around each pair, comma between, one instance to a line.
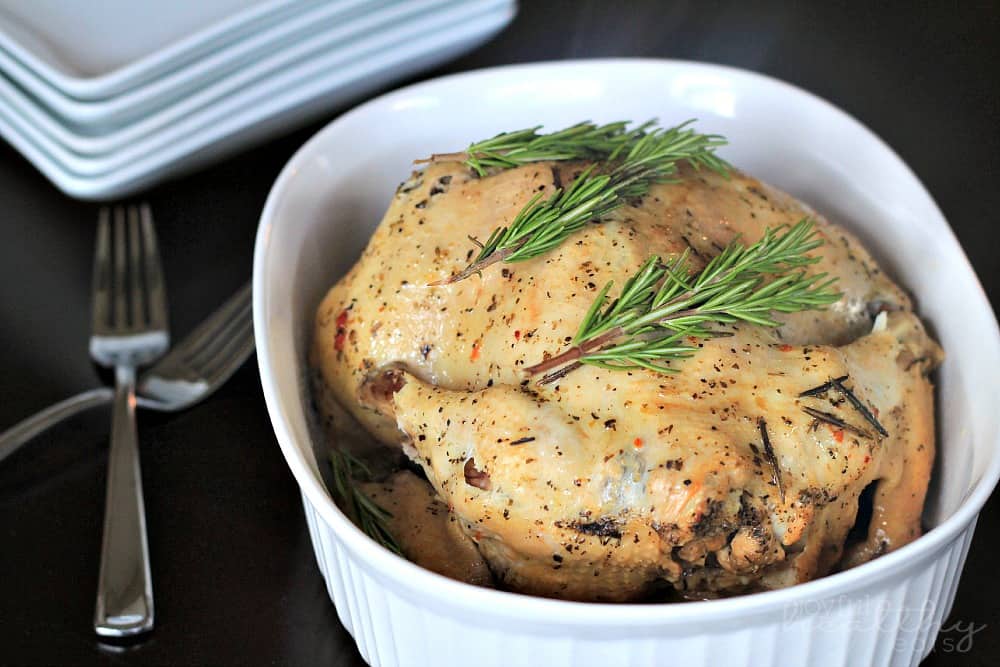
(740,471)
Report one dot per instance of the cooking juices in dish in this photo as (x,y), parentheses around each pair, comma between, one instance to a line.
(735,463)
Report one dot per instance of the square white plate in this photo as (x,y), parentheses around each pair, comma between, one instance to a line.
(93,52)
(184,92)
(95,126)
(274,104)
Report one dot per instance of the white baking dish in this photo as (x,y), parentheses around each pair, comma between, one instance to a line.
(334,191)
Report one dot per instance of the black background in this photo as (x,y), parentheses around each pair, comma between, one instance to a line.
(235,578)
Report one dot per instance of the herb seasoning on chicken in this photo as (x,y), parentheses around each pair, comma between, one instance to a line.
(742,470)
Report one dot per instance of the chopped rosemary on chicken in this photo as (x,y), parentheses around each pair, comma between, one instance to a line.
(368,515)
(636,160)
(661,307)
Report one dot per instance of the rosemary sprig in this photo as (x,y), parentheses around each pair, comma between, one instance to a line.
(583,141)
(661,306)
(368,515)
(642,157)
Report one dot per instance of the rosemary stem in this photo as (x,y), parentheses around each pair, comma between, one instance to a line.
(458,156)
(549,378)
(575,352)
(476,267)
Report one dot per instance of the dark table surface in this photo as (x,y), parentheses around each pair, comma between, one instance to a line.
(235,579)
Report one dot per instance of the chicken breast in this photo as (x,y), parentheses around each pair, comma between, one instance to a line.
(608,485)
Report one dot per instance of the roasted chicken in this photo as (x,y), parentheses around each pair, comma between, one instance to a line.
(613,485)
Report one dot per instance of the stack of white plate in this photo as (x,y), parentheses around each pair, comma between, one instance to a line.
(106,98)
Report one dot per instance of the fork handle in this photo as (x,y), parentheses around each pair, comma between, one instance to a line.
(124,589)
(12,439)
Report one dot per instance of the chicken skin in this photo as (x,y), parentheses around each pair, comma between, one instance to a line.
(611,485)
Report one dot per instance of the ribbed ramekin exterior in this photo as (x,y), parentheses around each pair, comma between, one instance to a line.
(891,623)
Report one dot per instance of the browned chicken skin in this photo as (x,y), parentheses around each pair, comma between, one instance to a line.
(608,484)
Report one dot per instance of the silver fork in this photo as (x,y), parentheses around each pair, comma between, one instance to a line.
(204,360)
(129,329)
(191,371)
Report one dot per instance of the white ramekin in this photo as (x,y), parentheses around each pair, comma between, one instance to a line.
(332,194)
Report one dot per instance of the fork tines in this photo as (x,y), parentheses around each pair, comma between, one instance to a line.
(218,345)
(218,342)
(128,279)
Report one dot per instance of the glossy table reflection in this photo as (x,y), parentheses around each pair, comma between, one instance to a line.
(235,579)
